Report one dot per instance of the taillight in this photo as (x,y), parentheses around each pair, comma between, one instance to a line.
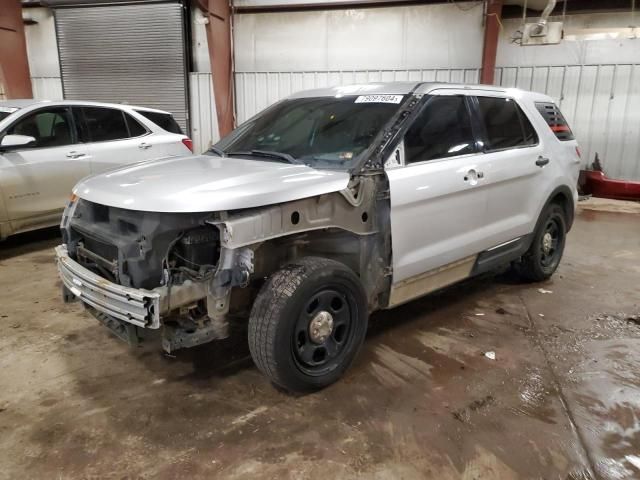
(188,143)
(578,152)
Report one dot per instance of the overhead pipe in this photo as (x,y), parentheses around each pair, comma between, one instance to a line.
(542,23)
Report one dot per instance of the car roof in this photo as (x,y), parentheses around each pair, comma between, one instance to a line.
(32,102)
(404,88)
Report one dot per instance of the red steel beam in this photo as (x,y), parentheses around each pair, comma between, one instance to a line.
(491,34)
(218,13)
(14,64)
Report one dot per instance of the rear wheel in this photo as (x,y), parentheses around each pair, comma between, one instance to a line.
(544,254)
(307,324)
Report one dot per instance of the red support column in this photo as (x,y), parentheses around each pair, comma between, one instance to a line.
(218,13)
(491,34)
(14,65)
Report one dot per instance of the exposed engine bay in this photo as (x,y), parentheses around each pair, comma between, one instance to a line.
(192,261)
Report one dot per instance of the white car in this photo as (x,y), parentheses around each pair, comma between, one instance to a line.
(47,147)
(323,208)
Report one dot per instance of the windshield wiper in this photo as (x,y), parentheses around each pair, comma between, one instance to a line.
(218,151)
(268,154)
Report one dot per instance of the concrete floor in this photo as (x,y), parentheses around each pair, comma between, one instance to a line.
(560,400)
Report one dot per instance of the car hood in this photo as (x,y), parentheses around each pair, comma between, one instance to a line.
(207,183)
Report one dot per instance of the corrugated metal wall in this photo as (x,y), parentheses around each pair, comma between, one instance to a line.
(600,102)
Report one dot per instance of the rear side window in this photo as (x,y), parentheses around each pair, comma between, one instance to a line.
(554,118)
(443,129)
(105,124)
(506,124)
(96,124)
(163,120)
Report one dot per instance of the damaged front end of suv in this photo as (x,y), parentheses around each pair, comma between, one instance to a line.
(190,273)
(283,225)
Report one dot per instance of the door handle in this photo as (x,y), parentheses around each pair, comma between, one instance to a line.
(542,161)
(74,154)
(472,176)
(144,145)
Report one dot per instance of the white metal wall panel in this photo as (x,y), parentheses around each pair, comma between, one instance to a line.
(204,122)
(47,88)
(600,102)
(257,90)
(390,38)
(125,53)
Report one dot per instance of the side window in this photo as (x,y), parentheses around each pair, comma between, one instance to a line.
(506,124)
(51,128)
(442,129)
(163,120)
(135,128)
(105,124)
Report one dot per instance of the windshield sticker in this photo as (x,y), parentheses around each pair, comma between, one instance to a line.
(379,99)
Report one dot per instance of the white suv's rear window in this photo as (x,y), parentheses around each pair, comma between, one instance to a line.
(554,118)
(163,120)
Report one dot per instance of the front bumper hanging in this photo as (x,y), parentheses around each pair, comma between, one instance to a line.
(136,306)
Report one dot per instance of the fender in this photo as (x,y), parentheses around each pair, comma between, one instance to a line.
(568,205)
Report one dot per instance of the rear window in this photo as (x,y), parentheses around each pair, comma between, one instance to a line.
(554,118)
(506,125)
(163,120)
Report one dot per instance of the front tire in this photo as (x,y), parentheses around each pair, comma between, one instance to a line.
(544,254)
(308,323)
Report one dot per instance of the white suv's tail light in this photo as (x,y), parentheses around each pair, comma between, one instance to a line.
(188,143)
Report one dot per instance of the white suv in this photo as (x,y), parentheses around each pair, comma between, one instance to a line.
(323,208)
(47,147)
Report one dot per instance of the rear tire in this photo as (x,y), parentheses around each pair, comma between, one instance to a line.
(307,324)
(544,254)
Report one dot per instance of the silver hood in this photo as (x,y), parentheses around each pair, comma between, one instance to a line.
(206,184)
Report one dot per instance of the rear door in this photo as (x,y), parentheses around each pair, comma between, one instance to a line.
(438,199)
(114,137)
(37,179)
(168,138)
(516,166)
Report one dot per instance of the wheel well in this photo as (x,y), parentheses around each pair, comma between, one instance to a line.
(564,200)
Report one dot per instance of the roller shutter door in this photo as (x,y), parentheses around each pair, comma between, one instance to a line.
(131,54)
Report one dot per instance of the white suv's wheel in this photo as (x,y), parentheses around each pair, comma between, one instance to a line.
(307,324)
(544,254)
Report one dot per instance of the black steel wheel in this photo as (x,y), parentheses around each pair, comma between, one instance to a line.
(544,254)
(308,323)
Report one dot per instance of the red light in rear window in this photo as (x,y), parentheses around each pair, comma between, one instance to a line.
(188,143)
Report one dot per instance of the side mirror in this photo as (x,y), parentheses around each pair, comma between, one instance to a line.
(11,141)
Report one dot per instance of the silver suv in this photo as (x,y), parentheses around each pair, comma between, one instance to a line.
(321,209)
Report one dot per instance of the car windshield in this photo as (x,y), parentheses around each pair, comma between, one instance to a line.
(322,132)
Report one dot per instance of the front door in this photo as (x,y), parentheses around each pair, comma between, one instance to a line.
(37,179)
(438,203)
